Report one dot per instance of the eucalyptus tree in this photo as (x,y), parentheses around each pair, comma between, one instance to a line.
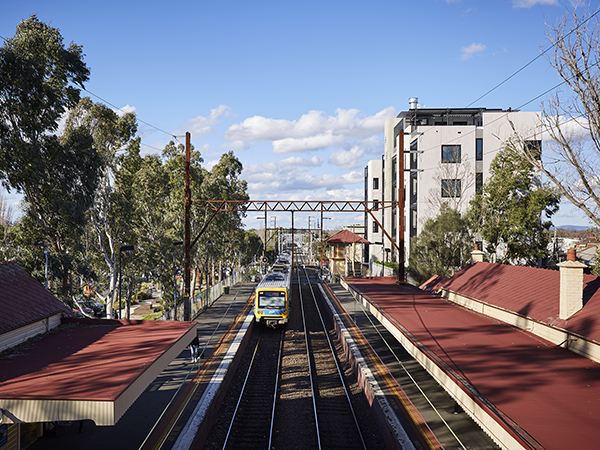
(114,139)
(39,80)
(223,182)
(513,210)
(443,246)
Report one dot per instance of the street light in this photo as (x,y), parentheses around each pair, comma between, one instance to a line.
(123,248)
(175,281)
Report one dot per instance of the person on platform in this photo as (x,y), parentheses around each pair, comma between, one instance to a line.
(194,348)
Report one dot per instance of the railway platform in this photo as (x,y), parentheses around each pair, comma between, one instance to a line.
(161,409)
(528,393)
(421,405)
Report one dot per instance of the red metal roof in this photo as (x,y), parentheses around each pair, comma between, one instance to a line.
(91,360)
(346,237)
(530,292)
(551,393)
(24,300)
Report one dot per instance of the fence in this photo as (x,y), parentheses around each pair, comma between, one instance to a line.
(204,298)
(379,270)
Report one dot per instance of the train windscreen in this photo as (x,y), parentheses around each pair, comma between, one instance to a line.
(271,299)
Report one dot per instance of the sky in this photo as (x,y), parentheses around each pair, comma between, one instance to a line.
(300,91)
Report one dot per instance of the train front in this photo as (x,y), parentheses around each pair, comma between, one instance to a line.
(271,305)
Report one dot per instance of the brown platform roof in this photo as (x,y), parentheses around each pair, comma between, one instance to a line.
(552,394)
(87,369)
(346,237)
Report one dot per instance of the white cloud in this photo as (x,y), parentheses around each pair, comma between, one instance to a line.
(347,159)
(532,3)
(200,126)
(294,174)
(572,128)
(471,50)
(294,145)
(124,110)
(296,161)
(311,131)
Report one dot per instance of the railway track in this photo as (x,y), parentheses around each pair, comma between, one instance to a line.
(335,418)
(317,403)
(252,423)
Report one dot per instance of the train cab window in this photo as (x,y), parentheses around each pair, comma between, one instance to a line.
(271,299)
(274,277)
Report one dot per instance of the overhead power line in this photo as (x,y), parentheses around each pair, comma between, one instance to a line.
(533,60)
(138,119)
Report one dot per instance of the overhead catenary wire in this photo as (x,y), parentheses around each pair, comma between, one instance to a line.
(532,60)
(121,109)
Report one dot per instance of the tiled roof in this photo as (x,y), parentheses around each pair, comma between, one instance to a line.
(23,299)
(346,237)
(530,292)
(433,284)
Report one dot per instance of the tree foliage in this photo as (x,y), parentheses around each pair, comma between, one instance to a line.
(509,213)
(88,190)
(57,174)
(442,248)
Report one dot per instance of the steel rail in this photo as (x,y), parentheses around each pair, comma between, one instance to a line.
(276,388)
(237,406)
(241,395)
(339,371)
(310,372)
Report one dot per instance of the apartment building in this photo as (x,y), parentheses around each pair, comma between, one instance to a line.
(445,158)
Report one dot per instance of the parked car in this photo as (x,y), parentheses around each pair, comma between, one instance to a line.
(98,308)
(81,306)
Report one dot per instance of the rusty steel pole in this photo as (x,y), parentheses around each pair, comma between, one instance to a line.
(187,307)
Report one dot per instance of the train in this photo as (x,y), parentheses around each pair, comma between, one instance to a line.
(273,294)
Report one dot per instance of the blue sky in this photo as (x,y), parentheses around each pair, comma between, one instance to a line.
(300,90)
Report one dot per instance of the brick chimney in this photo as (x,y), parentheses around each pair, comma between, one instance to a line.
(476,255)
(571,285)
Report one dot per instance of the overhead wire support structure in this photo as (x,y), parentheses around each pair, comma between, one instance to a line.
(266,206)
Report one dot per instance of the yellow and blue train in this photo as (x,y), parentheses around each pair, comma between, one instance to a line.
(273,295)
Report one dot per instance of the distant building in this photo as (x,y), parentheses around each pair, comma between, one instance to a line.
(446,158)
(373,232)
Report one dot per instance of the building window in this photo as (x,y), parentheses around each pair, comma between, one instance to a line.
(451,153)
(450,188)
(479,182)
(375,183)
(375,227)
(478,149)
(375,204)
(535,148)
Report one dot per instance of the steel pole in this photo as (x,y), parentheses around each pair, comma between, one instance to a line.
(187,307)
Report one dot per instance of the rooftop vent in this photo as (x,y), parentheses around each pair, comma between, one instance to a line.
(413,102)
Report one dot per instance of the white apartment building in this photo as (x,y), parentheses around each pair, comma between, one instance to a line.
(446,155)
(373,232)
